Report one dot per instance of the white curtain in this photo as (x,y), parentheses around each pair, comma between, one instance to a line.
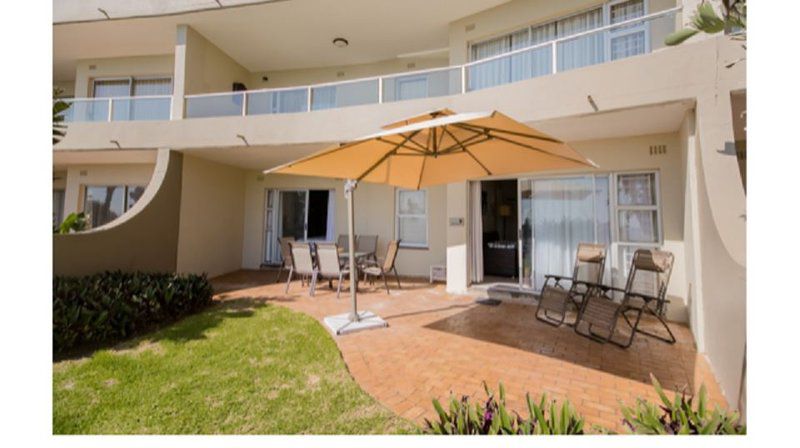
(542,58)
(581,51)
(330,231)
(563,216)
(476,232)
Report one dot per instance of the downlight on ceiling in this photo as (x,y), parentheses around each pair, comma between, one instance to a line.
(340,42)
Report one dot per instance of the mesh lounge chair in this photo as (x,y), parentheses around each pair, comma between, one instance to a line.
(645,292)
(368,244)
(559,291)
(302,264)
(329,265)
(286,255)
(374,269)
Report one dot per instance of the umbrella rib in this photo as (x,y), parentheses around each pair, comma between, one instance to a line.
(533,148)
(505,131)
(386,156)
(382,140)
(421,171)
(489,173)
(468,142)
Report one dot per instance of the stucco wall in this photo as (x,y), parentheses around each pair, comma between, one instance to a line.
(374,211)
(211,217)
(145,238)
(208,69)
(288,78)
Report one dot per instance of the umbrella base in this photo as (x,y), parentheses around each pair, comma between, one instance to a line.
(341,324)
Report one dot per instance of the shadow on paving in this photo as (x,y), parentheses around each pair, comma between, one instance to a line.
(514,325)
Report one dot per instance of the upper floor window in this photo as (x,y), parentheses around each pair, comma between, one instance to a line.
(122,87)
(412,218)
(588,49)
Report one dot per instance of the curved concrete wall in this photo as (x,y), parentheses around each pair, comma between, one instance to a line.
(145,238)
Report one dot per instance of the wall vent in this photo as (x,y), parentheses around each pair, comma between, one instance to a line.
(339,74)
(657,150)
(411,65)
(469,27)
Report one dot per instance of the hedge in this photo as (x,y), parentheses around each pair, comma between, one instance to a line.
(114,305)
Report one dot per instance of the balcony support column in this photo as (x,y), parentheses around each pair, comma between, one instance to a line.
(179,79)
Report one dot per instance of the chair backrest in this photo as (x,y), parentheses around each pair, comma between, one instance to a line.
(649,273)
(344,241)
(391,255)
(301,257)
(286,249)
(328,259)
(367,243)
(590,261)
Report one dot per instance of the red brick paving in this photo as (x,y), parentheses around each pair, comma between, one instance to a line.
(437,344)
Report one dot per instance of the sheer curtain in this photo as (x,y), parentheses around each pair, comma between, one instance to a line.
(563,216)
(581,51)
(476,231)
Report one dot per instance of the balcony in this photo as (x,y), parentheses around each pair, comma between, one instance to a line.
(637,36)
(134,108)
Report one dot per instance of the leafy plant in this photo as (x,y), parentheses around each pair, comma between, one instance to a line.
(114,305)
(462,417)
(59,107)
(74,222)
(706,20)
(681,416)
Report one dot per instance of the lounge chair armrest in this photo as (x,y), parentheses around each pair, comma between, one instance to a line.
(557,279)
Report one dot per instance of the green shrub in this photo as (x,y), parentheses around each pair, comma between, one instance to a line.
(493,418)
(114,305)
(680,416)
(74,222)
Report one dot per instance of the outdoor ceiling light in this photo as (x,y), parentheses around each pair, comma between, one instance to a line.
(340,42)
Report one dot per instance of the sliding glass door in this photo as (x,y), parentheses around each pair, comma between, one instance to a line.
(301,214)
(555,215)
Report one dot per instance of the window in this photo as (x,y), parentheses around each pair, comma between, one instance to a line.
(412,218)
(628,40)
(124,87)
(638,216)
(58,207)
(589,49)
(103,204)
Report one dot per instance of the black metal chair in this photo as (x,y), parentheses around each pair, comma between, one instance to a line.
(645,293)
(559,291)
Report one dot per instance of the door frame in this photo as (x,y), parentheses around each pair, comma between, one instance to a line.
(277,229)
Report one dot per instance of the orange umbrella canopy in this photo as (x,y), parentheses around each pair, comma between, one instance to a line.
(439,148)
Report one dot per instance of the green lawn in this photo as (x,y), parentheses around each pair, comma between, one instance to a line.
(238,368)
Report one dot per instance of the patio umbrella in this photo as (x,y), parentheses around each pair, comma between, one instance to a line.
(436,148)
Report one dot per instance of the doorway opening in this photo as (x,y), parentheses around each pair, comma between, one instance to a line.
(500,234)
(305,215)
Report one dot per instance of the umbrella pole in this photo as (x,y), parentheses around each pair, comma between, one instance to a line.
(349,189)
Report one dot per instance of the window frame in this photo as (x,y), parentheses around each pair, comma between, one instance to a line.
(131,80)
(397,217)
(608,36)
(619,247)
(125,191)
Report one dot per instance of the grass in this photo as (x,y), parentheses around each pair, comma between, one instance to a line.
(241,367)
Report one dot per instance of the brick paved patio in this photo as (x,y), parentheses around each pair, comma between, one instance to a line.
(439,343)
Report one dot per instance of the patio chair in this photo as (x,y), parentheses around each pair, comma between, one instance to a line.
(374,269)
(559,291)
(368,244)
(343,242)
(303,265)
(645,292)
(329,265)
(286,256)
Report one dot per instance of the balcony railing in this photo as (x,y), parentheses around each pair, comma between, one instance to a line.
(134,108)
(611,42)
